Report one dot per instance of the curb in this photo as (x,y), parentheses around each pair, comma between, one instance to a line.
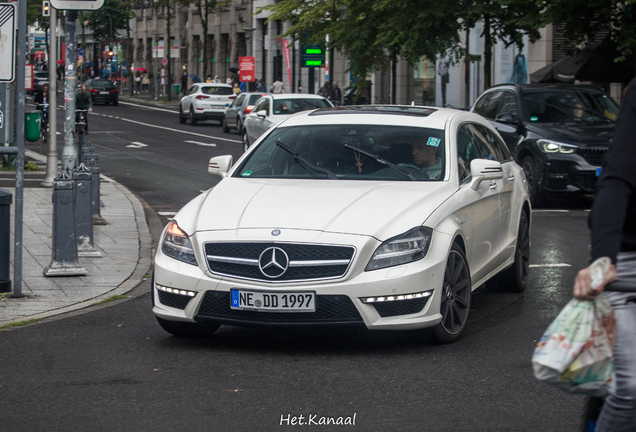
(151,103)
(144,262)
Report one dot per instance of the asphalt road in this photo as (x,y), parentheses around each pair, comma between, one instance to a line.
(114,369)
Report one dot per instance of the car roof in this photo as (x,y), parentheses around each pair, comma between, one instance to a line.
(294,96)
(547,86)
(213,85)
(398,115)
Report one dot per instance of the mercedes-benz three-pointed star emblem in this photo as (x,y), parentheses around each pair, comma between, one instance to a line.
(273,262)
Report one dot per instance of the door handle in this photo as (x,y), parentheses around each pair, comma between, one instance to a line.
(493,185)
(511,177)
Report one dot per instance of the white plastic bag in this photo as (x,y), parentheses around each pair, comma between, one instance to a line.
(575,353)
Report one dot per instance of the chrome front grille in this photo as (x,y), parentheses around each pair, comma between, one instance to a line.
(593,155)
(301,262)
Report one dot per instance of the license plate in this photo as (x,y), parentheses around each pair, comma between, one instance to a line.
(217,106)
(598,172)
(273,302)
(103,92)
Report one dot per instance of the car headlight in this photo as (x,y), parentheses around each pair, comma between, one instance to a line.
(547,146)
(408,247)
(176,244)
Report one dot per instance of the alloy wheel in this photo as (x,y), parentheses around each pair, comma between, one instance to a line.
(455,303)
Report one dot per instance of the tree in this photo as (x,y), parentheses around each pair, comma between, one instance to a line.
(503,20)
(583,21)
(203,9)
(167,8)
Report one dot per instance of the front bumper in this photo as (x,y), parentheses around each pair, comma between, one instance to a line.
(568,173)
(338,302)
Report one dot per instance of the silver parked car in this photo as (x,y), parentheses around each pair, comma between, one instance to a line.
(205,102)
(235,114)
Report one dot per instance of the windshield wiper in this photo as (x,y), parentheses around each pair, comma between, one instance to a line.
(382,161)
(299,158)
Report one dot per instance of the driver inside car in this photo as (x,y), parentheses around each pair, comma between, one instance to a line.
(425,157)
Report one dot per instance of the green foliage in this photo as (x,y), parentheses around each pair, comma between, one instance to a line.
(106,21)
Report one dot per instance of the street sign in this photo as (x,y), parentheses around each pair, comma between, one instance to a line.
(7,46)
(28,77)
(313,56)
(164,61)
(80,51)
(246,69)
(174,49)
(77,4)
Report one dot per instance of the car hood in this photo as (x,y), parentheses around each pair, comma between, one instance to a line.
(378,209)
(582,134)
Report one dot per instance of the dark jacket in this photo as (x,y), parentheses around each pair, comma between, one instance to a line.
(39,99)
(83,101)
(613,216)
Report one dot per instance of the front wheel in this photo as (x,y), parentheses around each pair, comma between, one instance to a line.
(246,141)
(455,302)
(224,124)
(532,176)
(187,329)
(515,277)
(182,118)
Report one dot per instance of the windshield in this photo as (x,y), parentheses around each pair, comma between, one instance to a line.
(351,152)
(220,91)
(292,106)
(560,106)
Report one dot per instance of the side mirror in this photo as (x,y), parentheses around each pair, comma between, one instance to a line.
(484,169)
(262,113)
(506,117)
(220,165)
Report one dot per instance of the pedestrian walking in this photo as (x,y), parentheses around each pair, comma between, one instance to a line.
(184,82)
(613,224)
(261,86)
(278,87)
(237,90)
(145,81)
(336,95)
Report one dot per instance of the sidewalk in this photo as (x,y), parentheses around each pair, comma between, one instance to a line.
(146,99)
(125,244)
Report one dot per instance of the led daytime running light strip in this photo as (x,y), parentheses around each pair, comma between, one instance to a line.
(175,291)
(396,298)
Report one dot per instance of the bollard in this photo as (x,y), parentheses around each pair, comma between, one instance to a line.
(91,160)
(64,245)
(5,233)
(84,213)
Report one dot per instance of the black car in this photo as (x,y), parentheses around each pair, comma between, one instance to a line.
(558,133)
(102,91)
(39,79)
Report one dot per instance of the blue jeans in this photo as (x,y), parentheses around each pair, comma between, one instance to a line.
(619,410)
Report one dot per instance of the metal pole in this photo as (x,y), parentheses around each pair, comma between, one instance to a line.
(19,159)
(69,154)
(51,159)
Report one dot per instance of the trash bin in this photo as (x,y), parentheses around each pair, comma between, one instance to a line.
(32,125)
(176,89)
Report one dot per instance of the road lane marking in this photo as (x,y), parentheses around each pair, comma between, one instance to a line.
(181,131)
(137,145)
(551,265)
(147,107)
(550,211)
(201,144)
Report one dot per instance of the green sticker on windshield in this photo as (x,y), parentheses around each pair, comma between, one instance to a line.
(433,142)
(247,173)
(533,118)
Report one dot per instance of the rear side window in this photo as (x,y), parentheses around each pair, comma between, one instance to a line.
(217,91)
(482,104)
(253,99)
(508,104)
(491,110)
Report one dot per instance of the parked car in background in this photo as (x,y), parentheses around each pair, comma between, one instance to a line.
(205,102)
(557,133)
(234,117)
(381,217)
(39,79)
(274,108)
(102,91)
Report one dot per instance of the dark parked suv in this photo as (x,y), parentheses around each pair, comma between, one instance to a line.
(558,133)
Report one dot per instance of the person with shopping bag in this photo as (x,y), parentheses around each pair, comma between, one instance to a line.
(613,225)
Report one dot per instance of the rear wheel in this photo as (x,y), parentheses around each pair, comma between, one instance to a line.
(116,102)
(515,277)
(239,127)
(193,120)
(224,124)
(456,293)
(246,141)
(187,329)
(182,118)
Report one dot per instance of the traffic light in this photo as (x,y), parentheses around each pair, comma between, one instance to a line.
(110,55)
(46,9)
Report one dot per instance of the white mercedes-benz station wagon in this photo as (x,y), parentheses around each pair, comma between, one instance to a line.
(386,217)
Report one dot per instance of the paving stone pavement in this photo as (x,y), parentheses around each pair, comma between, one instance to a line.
(125,245)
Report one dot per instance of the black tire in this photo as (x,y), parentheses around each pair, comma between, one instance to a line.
(532,176)
(246,142)
(239,127)
(456,294)
(515,277)
(186,329)
(182,118)
(116,103)
(224,124)
(193,120)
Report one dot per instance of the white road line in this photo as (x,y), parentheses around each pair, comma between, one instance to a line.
(166,213)
(180,131)
(551,265)
(137,145)
(550,211)
(147,107)
(201,144)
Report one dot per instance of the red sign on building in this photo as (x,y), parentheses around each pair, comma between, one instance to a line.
(247,68)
